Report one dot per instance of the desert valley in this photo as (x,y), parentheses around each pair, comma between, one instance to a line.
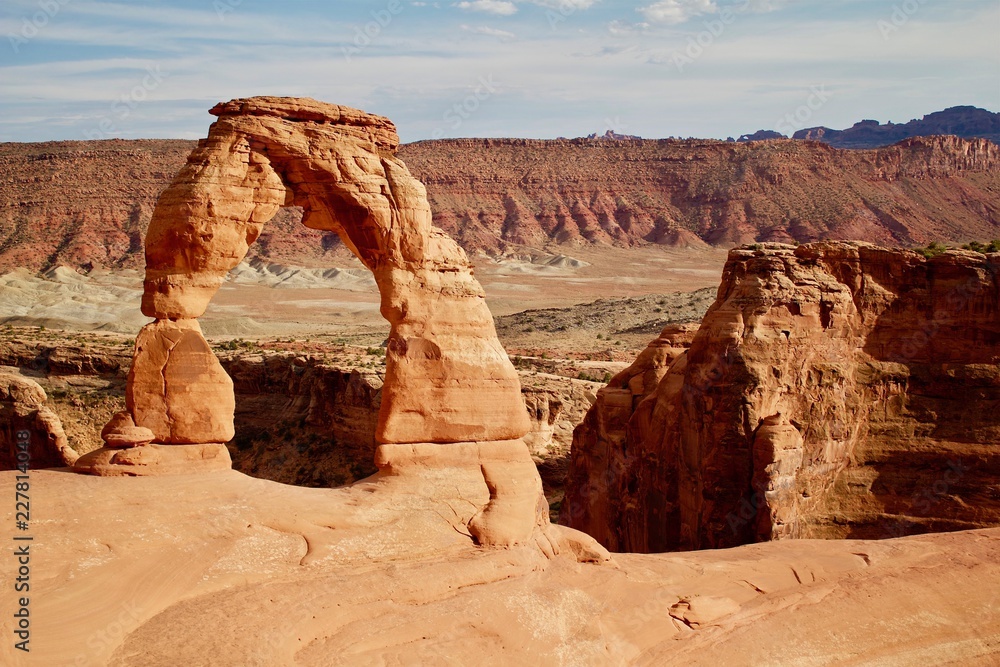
(732,404)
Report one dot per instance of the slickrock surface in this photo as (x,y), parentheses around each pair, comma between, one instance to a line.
(89,203)
(223,570)
(30,432)
(833,390)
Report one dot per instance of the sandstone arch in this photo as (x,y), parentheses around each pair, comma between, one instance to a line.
(448,378)
(451,397)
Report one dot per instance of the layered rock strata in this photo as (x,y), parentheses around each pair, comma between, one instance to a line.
(87,204)
(448,380)
(832,390)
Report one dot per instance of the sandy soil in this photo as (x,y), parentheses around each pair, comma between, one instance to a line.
(269,300)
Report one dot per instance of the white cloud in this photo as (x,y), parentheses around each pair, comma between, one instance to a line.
(507,8)
(622,29)
(762,5)
(499,7)
(760,70)
(673,12)
(567,5)
(485,30)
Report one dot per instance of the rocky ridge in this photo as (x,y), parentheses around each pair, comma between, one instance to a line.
(84,204)
(967,122)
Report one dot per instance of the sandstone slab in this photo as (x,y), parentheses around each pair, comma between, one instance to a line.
(236,571)
(154,460)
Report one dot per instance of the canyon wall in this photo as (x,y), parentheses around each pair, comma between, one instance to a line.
(833,390)
(299,419)
(305,422)
(86,204)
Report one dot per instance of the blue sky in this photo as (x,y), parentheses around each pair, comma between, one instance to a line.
(75,69)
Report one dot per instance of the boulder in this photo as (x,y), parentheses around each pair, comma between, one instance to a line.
(30,432)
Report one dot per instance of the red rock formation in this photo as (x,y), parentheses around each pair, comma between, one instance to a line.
(30,433)
(177,388)
(492,194)
(833,390)
(448,380)
(84,203)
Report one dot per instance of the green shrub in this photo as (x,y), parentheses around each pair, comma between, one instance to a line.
(976,246)
(933,249)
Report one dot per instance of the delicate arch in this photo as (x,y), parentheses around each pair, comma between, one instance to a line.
(448,378)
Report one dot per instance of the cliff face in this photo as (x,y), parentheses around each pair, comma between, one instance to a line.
(83,203)
(303,422)
(89,203)
(833,390)
(492,194)
(299,420)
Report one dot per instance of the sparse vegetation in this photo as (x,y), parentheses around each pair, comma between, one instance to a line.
(932,249)
(237,344)
(976,246)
